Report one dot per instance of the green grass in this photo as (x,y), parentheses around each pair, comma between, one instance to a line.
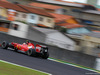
(9,69)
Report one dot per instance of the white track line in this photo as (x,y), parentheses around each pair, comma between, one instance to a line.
(23,66)
(73,65)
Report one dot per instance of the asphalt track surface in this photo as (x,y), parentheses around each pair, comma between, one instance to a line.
(55,68)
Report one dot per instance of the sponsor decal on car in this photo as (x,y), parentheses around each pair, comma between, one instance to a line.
(39,48)
(30,47)
(19,47)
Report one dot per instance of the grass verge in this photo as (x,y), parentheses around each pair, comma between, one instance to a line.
(9,69)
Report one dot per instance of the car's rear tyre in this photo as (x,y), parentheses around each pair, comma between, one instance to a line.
(31,52)
(4,45)
(45,55)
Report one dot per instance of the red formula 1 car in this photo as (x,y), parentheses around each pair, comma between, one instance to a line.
(28,48)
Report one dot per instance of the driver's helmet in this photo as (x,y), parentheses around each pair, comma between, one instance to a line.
(27,41)
(24,43)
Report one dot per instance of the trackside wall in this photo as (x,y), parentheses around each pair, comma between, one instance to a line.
(57,53)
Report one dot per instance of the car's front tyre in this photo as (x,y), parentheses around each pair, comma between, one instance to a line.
(4,45)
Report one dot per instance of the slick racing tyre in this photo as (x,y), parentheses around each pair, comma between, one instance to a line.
(4,45)
(31,52)
(45,55)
